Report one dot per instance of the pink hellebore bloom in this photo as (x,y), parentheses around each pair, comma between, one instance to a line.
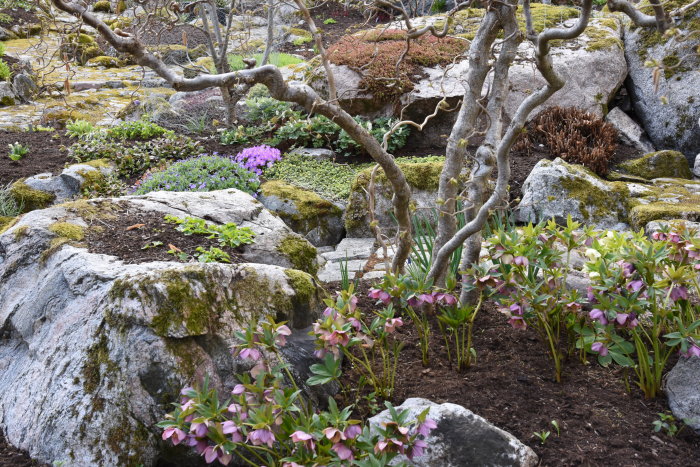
(339,338)
(343,452)
(413,302)
(446,299)
(352,304)
(261,436)
(379,294)
(291,464)
(355,323)
(693,351)
(425,427)
(516,309)
(417,449)
(230,428)
(330,312)
(426,298)
(250,354)
(282,333)
(621,318)
(334,434)
(212,453)
(658,236)
(200,430)
(389,445)
(238,389)
(598,315)
(305,438)
(517,322)
(353,431)
(599,348)
(679,293)
(635,286)
(177,435)
(391,324)
(521,261)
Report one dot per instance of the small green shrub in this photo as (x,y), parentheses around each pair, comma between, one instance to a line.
(136,158)
(204,173)
(5,19)
(17,151)
(81,129)
(102,6)
(138,130)
(4,70)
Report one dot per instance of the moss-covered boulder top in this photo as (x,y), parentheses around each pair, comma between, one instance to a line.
(118,341)
(305,212)
(660,164)
(557,189)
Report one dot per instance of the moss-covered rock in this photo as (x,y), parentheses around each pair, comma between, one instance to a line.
(300,253)
(423,178)
(30,198)
(667,199)
(105,61)
(179,54)
(6,223)
(305,212)
(102,6)
(660,164)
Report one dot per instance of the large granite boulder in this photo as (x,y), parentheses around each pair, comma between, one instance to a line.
(659,164)
(668,108)
(598,50)
(461,438)
(94,350)
(556,189)
(683,391)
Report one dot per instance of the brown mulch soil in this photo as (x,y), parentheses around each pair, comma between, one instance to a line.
(19,16)
(47,153)
(126,235)
(512,386)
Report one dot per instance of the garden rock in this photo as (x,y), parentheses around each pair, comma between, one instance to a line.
(315,153)
(318,220)
(461,438)
(657,226)
(7,95)
(660,164)
(683,391)
(423,179)
(696,166)
(24,87)
(6,34)
(556,189)
(599,51)
(70,182)
(629,131)
(95,350)
(672,122)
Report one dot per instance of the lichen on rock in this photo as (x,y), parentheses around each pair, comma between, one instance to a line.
(660,164)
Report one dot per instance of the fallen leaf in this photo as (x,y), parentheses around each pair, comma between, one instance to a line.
(135,226)
(173,247)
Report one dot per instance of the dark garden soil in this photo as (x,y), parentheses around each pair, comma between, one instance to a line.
(12,457)
(139,237)
(47,153)
(512,386)
(19,16)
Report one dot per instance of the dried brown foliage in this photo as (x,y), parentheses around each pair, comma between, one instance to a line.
(576,136)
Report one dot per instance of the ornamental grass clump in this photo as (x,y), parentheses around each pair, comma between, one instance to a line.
(202,173)
(267,421)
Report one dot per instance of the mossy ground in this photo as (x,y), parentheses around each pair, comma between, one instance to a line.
(300,253)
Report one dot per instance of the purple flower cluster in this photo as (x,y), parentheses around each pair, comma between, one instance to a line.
(258,157)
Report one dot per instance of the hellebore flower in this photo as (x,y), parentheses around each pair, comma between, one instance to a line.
(261,436)
(352,431)
(177,435)
(635,286)
(426,298)
(344,452)
(334,434)
(621,318)
(521,261)
(417,449)
(230,428)
(678,293)
(200,430)
(446,299)
(425,427)
(250,354)
(599,348)
(693,351)
(282,333)
(391,324)
(515,308)
(305,438)
(379,294)
(598,315)
(517,322)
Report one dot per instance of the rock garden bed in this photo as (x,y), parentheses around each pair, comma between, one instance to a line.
(47,153)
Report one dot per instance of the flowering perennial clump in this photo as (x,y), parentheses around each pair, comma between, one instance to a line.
(257,158)
(267,422)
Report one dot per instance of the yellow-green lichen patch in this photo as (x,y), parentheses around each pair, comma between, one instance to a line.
(6,223)
(308,203)
(99,163)
(91,211)
(97,364)
(30,198)
(660,164)
(67,230)
(21,232)
(105,61)
(103,6)
(300,253)
(595,203)
(92,179)
(602,39)
(687,209)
